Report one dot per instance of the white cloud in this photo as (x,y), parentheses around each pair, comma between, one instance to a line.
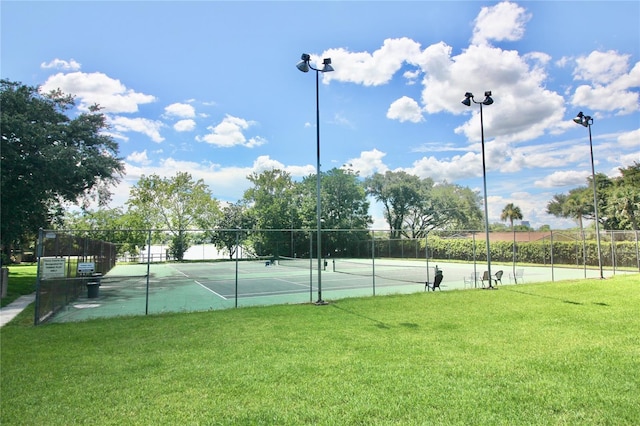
(504,21)
(229,132)
(405,109)
(180,110)
(601,67)
(563,178)
(61,64)
(371,69)
(139,158)
(630,139)
(613,84)
(524,108)
(264,163)
(368,163)
(97,88)
(184,125)
(458,167)
(141,125)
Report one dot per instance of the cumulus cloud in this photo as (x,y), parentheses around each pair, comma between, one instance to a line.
(504,21)
(368,163)
(405,109)
(61,64)
(139,158)
(145,126)
(97,88)
(613,86)
(371,69)
(184,125)
(229,132)
(563,178)
(631,139)
(601,67)
(180,110)
(524,108)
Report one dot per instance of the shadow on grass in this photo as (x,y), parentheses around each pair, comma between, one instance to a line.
(377,323)
(570,302)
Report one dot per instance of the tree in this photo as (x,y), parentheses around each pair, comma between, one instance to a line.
(398,192)
(623,199)
(272,201)
(177,204)
(512,212)
(234,217)
(49,159)
(443,206)
(413,206)
(344,206)
(111,225)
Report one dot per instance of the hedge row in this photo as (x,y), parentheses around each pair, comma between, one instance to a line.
(619,254)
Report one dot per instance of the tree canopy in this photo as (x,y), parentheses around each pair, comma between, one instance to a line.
(413,206)
(178,204)
(618,200)
(49,159)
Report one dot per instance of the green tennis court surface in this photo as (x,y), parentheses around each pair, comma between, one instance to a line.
(182,287)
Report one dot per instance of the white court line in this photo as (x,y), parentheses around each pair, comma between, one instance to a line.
(290,282)
(207,288)
(180,272)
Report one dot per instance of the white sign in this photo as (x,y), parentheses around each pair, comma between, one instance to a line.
(86,267)
(53,267)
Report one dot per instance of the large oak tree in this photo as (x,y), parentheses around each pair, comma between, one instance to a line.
(49,159)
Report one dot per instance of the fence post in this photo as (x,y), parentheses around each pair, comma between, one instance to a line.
(36,319)
(551,243)
(146,308)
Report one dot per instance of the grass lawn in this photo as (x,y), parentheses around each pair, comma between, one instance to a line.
(532,354)
(22,280)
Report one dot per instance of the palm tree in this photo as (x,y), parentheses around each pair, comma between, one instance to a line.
(576,205)
(512,212)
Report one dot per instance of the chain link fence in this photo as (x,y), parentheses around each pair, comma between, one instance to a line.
(85,269)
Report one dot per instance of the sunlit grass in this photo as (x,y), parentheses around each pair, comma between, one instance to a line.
(562,353)
(22,280)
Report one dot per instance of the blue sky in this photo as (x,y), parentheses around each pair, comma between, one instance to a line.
(212,88)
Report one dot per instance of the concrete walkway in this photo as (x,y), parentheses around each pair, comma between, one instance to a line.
(10,311)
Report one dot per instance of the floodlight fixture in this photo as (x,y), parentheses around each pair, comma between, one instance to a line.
(305,66)
(587,121)
(468,98)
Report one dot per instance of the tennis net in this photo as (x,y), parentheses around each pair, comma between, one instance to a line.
(300,262)
(411,272)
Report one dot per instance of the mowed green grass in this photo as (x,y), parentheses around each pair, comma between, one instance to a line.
(22,280)
(539,354)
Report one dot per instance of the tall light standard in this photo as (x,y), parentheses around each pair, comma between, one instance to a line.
(587,121)
(468,98)
(305,66)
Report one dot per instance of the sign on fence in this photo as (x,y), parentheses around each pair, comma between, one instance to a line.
(53,267)
(86,267)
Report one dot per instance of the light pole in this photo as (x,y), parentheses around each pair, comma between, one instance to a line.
(468,98)
(587,121)
(305,66)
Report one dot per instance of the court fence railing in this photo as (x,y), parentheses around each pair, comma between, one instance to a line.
(71,261)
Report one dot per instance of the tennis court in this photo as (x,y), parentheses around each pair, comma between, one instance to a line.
(140,289)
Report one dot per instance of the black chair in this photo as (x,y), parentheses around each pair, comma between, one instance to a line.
(436,282)
(498,277)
